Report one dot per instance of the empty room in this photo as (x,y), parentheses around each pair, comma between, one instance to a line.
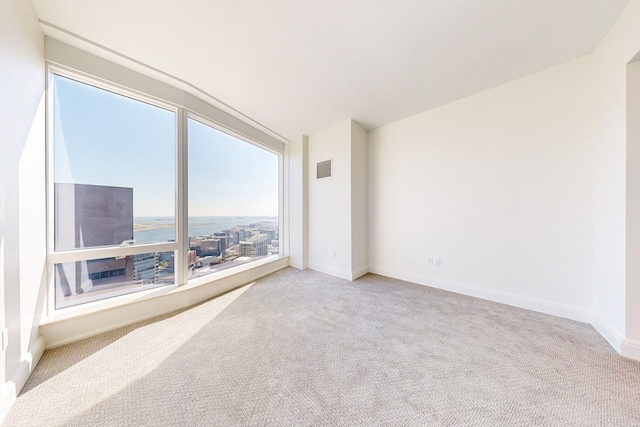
(320,213)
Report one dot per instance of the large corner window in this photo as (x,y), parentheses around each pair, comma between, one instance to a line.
(121,220)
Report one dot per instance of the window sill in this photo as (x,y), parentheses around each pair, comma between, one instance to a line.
(92,318)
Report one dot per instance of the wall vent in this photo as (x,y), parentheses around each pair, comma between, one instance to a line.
(323,169)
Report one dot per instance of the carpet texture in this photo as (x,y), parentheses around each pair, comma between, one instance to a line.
(300,348)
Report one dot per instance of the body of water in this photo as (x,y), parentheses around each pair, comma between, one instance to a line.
(198,226)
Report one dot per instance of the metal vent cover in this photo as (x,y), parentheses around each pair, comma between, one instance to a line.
(323,169)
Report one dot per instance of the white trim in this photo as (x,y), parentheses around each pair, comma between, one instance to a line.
(608,332)
(108,252)
(49,304)
(182,195)
(296,264)
(206,121)
(12,388)
(359,272)
(631,349)
(333,271)
(284,188)
(283,211)
(63,330)
(106,85)
(543,306)
(623,346)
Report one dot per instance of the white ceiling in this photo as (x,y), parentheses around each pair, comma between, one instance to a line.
(299,67)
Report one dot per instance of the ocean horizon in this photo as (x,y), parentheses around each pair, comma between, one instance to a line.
(155,229)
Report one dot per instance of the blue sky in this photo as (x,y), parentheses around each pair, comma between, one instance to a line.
(101,138)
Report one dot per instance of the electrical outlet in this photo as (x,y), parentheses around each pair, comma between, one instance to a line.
(430,260)
(437,262)
(333,254)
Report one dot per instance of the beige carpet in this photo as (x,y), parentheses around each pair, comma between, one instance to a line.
(300,348)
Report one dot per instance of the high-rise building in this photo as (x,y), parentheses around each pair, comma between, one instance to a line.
(210,247)
(255,246)
(145,267)
(94,216)
(191,260)
(225,241)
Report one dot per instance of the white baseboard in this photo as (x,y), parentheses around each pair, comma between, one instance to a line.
(624,346)
(608,332)
(350,275)
(631,349)
(332,271)
(11,389)
(543,306)
(359,272)
(297,264)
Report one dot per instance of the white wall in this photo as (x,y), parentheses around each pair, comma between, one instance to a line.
(330,202)
(499,186)
(298,157)
(529,192)
(633,204)
(619,46)
(338,205)
(22,193)
(359,195)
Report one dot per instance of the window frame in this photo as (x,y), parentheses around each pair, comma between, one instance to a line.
(180,246)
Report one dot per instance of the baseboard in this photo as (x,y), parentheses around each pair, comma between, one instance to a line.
(297,264)
(521,301)
(631,349)
(359,272)
(608,332)
(11,389)
(338,272)
(332,271)
(624,346)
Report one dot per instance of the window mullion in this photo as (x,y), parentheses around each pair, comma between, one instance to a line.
(182,221)
(94,253)
(50,300)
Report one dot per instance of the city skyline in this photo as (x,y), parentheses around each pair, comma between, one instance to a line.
(93,216)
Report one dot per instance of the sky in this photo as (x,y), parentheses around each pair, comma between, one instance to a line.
(102,138)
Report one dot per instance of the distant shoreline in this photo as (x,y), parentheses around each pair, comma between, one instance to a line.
(147,226)
(143,224)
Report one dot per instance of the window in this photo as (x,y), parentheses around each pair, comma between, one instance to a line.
(116,208)
(97,279)
(233,200)
(114,167)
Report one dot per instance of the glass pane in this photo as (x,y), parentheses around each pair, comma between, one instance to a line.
(92,280)
(114,168)
(233,201)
